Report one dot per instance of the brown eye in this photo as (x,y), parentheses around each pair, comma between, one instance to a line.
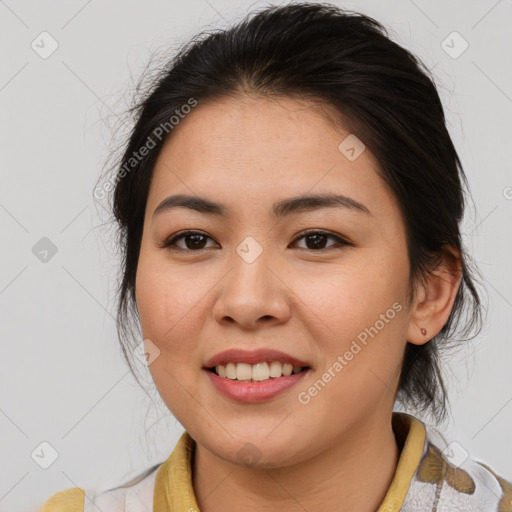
(316,240)
(193,241)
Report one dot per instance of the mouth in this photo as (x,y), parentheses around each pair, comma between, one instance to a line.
(260,364)
(237,382)
(251,376)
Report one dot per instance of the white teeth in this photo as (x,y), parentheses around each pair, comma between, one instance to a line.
(276,369)
(231,371)
(256,372)
(260,371)
(243,371)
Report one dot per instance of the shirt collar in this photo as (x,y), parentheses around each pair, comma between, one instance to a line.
(174,491)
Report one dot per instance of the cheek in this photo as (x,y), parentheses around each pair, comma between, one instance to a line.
(360,315)
(164,296)
(171,309)
(352,296)
(150,297)
(167,316)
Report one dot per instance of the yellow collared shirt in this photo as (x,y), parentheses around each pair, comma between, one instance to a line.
(429,477)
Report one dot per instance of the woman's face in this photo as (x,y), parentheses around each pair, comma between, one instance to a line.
(253,278)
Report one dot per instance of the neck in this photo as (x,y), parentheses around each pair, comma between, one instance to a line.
(353,474)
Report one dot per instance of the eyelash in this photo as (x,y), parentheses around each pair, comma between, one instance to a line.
(169,242)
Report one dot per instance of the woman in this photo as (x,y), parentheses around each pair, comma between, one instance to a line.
(289,204)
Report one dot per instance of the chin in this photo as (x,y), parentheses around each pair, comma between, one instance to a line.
(258,452)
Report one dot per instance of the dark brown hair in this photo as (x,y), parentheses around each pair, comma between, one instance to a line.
(381,93)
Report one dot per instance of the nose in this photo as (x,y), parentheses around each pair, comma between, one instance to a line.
(252,294)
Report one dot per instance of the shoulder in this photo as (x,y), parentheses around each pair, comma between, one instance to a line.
(135,495)
(71,500)
(449,479)
(505,486)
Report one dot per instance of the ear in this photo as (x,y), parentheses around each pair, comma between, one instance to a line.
(434,298)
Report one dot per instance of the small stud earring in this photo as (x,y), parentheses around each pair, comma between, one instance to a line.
(423,331)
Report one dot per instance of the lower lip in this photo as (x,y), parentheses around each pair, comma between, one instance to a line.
(249,391)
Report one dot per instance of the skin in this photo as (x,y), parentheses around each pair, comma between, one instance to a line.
(248,153)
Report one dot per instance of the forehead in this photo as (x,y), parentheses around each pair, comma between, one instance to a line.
(253,151)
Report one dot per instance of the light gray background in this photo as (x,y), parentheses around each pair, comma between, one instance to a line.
(63,379)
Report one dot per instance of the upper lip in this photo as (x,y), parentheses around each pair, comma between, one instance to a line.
(252,357)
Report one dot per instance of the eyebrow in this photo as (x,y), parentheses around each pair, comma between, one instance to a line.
(280,209)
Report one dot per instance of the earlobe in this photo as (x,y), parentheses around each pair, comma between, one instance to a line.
(434,299)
